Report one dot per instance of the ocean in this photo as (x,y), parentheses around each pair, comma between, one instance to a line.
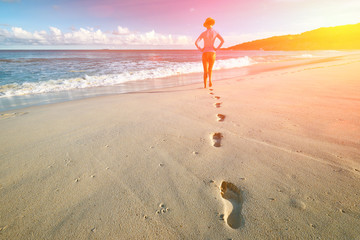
(35,77)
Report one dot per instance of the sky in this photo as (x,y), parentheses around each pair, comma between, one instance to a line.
(160,24)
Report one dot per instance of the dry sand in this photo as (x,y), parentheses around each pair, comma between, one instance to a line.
(272,155)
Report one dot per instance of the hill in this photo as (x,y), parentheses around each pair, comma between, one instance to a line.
(346,37)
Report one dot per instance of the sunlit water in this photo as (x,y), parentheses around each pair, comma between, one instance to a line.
(37,77)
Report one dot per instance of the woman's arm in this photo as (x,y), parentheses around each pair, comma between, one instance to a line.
(196,43)
(221,41)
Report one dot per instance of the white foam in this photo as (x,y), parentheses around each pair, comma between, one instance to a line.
(162,69)
(234,63)
(305,56)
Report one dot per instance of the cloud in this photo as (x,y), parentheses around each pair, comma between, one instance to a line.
(3,35)
(55,35)
(85,36)
(20,33)
(121,31)
(121,37)
(55,31)
(21,36)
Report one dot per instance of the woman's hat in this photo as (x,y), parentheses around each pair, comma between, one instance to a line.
(209,22)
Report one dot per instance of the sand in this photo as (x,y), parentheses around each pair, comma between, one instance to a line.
(271,155)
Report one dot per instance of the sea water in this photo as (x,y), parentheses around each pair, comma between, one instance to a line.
(34,77)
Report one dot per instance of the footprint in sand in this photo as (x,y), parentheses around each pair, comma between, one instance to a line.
(221,117)
(216,97)
(217,105)
(216,137)
(296,203)
(10,115)
(211,93)
(233,194)
(162,209)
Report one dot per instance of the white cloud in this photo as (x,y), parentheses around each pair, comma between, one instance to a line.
(55,31)
(121,30)
(4,32)
(183,40)
(85,36)
(122,37)
(55,35)
(20,33)
(3,35)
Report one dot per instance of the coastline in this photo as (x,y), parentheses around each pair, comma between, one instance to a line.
(67,78)
(143,165)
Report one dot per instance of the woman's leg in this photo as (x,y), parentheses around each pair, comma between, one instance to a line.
(206,67)
(211,60)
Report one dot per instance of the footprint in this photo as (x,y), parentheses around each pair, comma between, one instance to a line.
(221,117)
(217,105)
(163,209)
(211,93)
(217,139)
(296,203)
(210,89)
(233,194)
(10,115)
(216,97)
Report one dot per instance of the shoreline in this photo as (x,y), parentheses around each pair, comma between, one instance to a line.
(152,164)
(19,102)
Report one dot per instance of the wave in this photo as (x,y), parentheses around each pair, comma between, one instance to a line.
(35,60)
(305,55)
(167,69)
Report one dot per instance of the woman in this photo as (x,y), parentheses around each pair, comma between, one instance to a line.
(208,57)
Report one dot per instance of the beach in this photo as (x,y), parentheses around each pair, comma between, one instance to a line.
(273,154)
